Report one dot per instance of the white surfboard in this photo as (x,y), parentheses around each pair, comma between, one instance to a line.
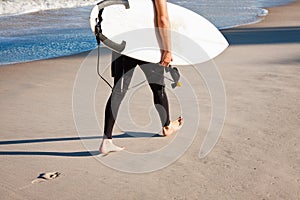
(194,39)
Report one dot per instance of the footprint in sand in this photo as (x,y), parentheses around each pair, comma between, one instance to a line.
(46,176)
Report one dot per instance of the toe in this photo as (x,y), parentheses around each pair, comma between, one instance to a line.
(180,120)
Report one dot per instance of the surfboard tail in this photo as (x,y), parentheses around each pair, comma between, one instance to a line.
(96,26)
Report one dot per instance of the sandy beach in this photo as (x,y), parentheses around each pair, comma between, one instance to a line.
(256,157)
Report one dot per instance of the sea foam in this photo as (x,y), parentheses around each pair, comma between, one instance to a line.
(12,7)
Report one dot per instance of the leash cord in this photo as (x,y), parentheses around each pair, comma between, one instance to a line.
(98,69)
(98,72)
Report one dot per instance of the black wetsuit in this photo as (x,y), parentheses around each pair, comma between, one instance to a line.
(122,71)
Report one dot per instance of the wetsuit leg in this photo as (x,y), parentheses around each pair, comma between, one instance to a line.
(155,77)
(122,73)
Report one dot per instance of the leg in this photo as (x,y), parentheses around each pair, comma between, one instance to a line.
(161,103)
(155,78)
(123,70)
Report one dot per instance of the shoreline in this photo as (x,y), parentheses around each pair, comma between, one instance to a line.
(257,156)
(279,18)
(29,61)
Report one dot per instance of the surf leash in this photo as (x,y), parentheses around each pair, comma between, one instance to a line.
(98,69)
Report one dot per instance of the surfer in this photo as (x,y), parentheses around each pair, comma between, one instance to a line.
(122,71)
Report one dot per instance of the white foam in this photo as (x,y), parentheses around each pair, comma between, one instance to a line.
(263,13)
(13,7)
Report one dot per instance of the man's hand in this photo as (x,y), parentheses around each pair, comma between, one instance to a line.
(166,58)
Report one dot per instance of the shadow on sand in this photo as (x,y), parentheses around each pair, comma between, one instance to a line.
(272,35)
(67,154)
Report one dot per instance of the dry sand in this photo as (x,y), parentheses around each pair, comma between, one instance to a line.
(257,156)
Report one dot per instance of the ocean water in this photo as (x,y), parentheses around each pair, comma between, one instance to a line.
(41,29)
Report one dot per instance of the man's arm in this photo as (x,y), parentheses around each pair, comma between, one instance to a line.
(164,26)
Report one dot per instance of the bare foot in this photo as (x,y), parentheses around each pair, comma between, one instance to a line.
(108,146)
(173,127)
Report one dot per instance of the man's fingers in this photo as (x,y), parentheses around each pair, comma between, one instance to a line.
(164,64)
(166,59)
